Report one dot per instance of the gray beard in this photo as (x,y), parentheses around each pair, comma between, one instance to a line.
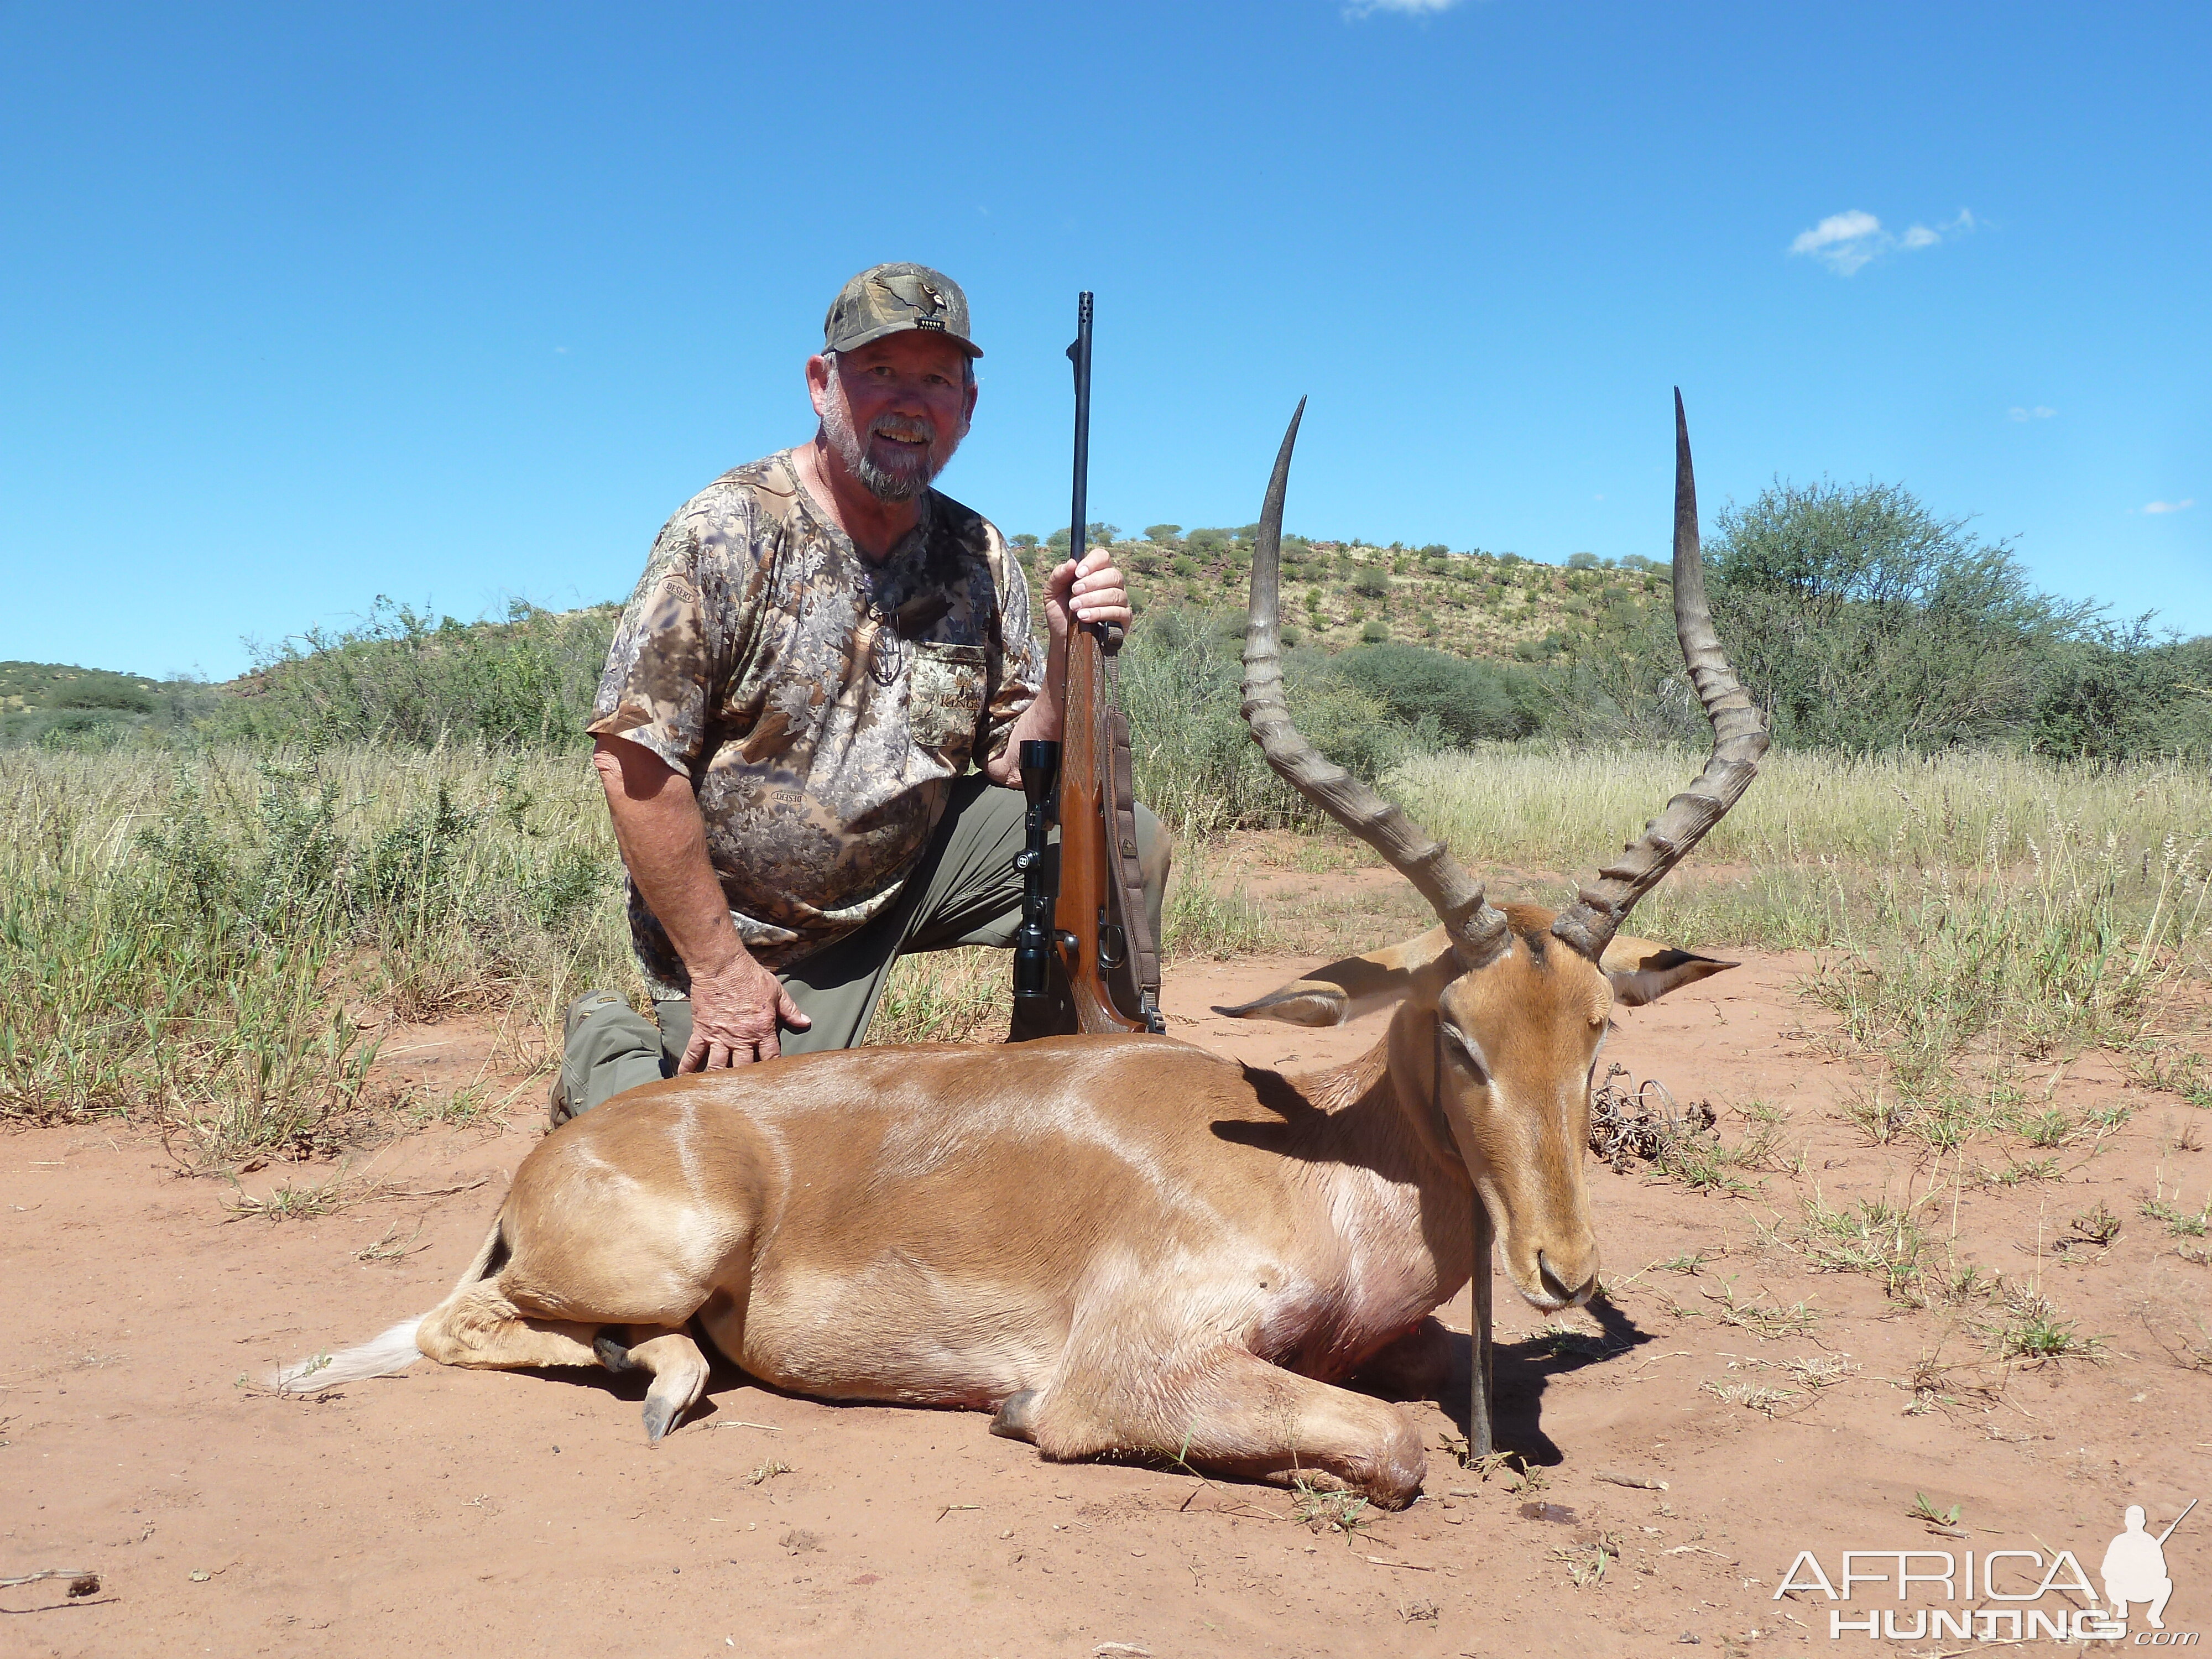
(888,486)
(885,484)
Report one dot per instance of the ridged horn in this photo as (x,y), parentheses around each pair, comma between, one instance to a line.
(1477,929)
(1739,741)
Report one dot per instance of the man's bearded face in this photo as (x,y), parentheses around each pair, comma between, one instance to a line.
(895,416)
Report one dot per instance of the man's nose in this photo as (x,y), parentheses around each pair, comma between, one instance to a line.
(904,396)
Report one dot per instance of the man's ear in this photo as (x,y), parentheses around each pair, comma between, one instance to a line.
(1643,970)
(1358,985)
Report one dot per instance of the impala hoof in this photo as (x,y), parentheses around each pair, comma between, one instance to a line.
(660,1416)
(613,1355)
(1016,1417)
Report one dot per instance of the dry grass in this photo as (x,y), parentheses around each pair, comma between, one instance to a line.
(945,996)
(1324,1511)
(1683,1145)
(1763,1319)
(2027,1328)
(197,937)
(1811,1375)
(1875,1236)
(207,939)
(1566,809)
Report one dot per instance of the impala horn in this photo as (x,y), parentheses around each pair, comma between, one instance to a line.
(1739,740)
(1476,927)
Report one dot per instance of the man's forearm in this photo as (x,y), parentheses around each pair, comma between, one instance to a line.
(663,839)
(1038,723)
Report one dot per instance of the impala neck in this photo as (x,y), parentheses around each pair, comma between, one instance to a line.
(1399,1197)
(1390,1121)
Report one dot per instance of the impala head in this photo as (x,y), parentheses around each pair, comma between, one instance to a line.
(1503,1011)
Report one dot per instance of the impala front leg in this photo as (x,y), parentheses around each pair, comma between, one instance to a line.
(1240,1416)
(1422,1365)
(680,1372)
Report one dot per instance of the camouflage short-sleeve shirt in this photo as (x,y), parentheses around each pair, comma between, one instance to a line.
(820,705)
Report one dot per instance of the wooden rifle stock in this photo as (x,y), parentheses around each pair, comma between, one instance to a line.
(1080,919)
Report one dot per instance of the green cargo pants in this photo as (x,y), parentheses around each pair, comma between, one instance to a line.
(965,890)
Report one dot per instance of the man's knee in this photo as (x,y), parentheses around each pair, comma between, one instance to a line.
(1155,849)
(608,1049)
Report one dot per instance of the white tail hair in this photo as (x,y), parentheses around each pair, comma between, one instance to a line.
(386,1354)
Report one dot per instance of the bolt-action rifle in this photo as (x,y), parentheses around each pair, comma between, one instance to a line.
(1098,942)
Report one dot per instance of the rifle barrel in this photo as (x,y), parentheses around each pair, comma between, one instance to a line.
(1079,354)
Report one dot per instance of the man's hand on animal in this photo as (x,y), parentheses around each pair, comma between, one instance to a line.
(736,1004)
(736,1012)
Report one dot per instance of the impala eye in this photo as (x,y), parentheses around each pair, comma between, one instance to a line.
(1463,1050)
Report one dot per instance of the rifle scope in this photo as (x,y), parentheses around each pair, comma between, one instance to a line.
(1033,940)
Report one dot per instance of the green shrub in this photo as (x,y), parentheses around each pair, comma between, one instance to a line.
(1196,764)
(1468,699)
(524,682)
(210,967)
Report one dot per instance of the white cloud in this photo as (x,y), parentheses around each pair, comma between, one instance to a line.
(1845,242)
(1403,7)
(2169,507)
(2037,413)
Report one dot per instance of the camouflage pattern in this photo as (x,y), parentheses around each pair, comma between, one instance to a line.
(820,705)
(891,299)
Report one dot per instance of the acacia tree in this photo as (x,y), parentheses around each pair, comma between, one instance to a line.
(1863,620)
(1859,620)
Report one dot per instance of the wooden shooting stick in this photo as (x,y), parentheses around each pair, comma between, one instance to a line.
(1085,868)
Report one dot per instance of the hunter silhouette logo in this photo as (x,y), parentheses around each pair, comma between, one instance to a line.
(2135,1568)
(2004,1595)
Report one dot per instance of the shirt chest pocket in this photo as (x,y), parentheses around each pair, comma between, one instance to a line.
(945,697)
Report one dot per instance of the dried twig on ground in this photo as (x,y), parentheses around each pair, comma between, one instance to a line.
(1645,1125)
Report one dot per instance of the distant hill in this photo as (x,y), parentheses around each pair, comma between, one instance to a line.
(25,685)
(530,675)
(40,697)
(1337,594)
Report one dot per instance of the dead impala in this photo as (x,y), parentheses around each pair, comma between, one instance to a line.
(1123,1246)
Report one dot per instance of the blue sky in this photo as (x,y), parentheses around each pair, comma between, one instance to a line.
(302,305)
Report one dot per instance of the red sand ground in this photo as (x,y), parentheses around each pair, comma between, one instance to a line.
(450,1512)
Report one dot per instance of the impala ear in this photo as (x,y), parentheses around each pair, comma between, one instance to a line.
(1643,970)
(1344,990)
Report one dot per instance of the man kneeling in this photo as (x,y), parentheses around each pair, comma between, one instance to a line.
(820,648)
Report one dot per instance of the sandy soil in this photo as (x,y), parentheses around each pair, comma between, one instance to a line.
(459,1513)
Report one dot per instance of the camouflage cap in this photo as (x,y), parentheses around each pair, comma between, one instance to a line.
(890,299)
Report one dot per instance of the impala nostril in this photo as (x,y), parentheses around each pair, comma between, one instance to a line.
(1553,1284)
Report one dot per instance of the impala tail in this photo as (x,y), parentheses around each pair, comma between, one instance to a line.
(387,1354)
